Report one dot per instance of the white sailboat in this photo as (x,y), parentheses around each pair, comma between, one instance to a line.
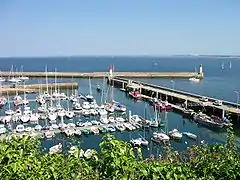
(69,114)
(230,64)
(9,111)
(89,96)
(2,79)
(23,78)
(175,134)
(13,79)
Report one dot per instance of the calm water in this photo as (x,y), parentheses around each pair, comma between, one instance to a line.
(218,82)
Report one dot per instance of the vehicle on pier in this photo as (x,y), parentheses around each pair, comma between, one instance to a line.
(217,103)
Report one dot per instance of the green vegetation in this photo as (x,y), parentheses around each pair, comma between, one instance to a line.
(21,159)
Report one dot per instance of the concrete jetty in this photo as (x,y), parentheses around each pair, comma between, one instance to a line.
(177,97)
(11,90)
(107,74)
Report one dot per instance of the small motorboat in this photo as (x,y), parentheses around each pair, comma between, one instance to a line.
(135,142)
(25,118)
(94,122)
(56,149)
(79,124)
(69,132)
(86,105)
(120,119)
(143,141)
(49,134)
(104,120)
(111,128)
(20,128)
(89,153)
(94,130)
(69,114)
(28,129)
(78,133)
(77,106)
(193,79)
(102,129)
(38,127)
(2,129)
(71,125)
(135,94)
(120,127)
(111,119)
(160,137)
(175,134)
(86,131)
(54,126)
(190,135)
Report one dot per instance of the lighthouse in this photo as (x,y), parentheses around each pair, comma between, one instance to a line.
(201,70)
(111,71)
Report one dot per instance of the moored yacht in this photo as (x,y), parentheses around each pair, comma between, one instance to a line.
(175,134)
(2,129)
(160,137)
(20,128)
(190,135)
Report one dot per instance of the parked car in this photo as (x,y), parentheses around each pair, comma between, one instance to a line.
(204,99)
(217,103)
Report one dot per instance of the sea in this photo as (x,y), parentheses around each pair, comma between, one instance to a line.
(221,80)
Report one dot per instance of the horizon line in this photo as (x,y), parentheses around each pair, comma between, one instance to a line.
(137,55)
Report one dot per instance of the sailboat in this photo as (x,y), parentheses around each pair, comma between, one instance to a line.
(25,100)
(162,136)
(56,94)
(13,79)
(2,79)
(23,78)
(154,122)
(46,94)
(69,114)
(89,96)
(230,64)
(9,111)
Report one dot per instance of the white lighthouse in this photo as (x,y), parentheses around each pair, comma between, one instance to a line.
(111,71)
(201,69)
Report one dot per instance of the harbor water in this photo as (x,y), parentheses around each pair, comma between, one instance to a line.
(218,82)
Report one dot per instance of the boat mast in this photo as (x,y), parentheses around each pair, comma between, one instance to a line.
(55,80)
(90,87)
(46,77)
(102,90)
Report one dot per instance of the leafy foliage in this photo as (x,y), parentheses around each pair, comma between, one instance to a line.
(21,158)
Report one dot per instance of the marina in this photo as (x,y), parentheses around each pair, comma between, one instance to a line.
(82,110)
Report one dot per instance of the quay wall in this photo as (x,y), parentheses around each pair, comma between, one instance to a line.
(105,74)
(11,90)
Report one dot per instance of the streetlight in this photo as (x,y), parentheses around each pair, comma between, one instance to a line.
(237,92)
(173,84)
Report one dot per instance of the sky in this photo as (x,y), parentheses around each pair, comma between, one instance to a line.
(119,27)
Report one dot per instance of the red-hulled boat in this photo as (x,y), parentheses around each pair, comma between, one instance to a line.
(162,106)
(135,94)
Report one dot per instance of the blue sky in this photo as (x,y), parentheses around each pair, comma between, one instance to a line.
(112,27)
